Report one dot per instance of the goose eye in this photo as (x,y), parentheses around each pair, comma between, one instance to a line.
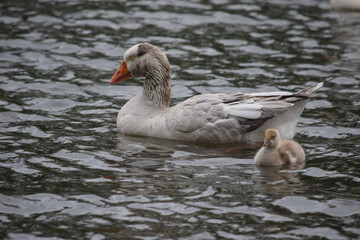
(131,57)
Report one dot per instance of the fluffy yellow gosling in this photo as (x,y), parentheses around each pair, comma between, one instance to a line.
(277,152)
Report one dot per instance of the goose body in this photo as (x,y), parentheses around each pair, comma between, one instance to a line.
(212,118)
(347,5)
(278,152)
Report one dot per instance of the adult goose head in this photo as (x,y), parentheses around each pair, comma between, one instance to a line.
(146,60)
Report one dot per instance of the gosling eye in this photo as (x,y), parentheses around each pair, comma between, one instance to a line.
(273,137)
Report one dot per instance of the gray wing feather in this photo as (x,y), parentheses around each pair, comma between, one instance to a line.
(232,114)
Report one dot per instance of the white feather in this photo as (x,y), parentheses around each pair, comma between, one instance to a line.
(277,104)
(248,111)
(264,94)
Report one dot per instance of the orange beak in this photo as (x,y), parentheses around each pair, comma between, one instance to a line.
(121,74)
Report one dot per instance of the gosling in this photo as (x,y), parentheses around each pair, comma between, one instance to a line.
(278,152)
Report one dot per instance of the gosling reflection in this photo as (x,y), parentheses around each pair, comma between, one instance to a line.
(282,180)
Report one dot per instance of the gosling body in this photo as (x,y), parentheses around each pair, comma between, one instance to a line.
(278,152)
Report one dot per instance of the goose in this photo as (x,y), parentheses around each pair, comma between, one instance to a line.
(207,118)
(278,152)
(346,5)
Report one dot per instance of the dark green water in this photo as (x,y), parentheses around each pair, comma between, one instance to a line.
(65,172)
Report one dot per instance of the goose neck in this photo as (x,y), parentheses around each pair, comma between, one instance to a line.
(157,86)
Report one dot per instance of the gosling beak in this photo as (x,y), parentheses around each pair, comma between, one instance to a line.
(121,74)
(267,142)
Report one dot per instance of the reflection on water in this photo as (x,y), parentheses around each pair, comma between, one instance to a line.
(67,174)
(281,180)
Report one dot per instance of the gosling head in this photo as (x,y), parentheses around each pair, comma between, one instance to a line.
(272,138)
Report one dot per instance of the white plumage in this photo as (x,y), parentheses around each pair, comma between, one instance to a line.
(213,118)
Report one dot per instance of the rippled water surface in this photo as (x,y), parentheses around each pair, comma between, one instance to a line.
(66,173)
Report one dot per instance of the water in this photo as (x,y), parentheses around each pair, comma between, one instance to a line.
(67,174)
